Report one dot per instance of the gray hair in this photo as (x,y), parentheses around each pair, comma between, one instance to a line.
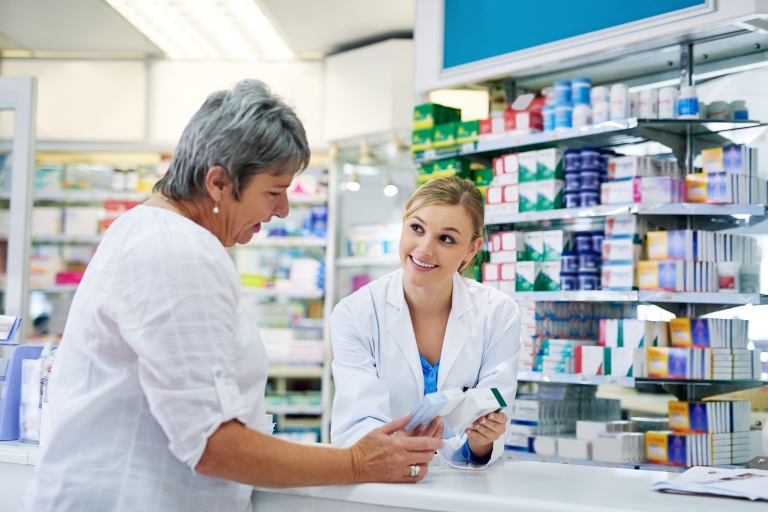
(247,130)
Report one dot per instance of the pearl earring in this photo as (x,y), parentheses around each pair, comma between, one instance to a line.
(216,208)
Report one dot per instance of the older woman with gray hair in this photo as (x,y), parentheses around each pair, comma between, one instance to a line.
(157,395)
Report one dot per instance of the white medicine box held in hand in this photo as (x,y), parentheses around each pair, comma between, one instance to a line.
(476,403)
(433,405)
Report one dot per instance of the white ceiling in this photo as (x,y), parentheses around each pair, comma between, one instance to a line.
(311,28)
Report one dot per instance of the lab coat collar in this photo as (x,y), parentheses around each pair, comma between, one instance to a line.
(401,328)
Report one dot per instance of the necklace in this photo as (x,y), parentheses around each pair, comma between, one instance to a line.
(173,203)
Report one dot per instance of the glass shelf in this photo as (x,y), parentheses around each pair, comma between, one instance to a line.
(729,299)
(576,296)
(499,216)
(286,241)
(576,378)
(293,294)
(610,133)
(369,261)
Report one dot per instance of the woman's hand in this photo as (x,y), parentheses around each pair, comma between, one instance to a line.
(485,430)
(433,429)
(383,457)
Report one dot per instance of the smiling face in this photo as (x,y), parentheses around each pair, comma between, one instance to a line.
(435,241)
(264,197)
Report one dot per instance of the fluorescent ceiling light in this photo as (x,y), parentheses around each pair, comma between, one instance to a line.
(206,29)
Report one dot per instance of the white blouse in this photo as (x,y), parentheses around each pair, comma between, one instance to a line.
(157,353)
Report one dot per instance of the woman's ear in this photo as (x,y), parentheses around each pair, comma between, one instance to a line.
(475,246)
(217,183)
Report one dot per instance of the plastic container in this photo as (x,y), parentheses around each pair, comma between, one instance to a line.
(589,281)
(620,103)
(601,112)
(589,197)
(605,156)
(572,182)
(582,115)
(562,92)
(590,158)
(717,110)
(572,160)
(649,104)
(590,179)
(599,94)
(590,260)
(571,199)
(597,241)
(563,115)
(737,110)
(580,91)
(569,262)
(728,276)
(569,281)
(687,103)
(548,116)
(667,103)
(583,242)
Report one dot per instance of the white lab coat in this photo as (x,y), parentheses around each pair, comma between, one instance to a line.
(377,369)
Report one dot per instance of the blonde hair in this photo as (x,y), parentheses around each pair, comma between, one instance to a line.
(451,190)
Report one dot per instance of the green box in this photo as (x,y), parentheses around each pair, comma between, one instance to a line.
(444,167)
(430,114)
(444,135)
(468,131)
(550,194)
(528,166)
(483,177)
(421,139)
(529,196)
(527,273)
(549,164)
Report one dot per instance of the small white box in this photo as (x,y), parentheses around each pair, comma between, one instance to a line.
(477,402)
(507,272)
(589,430)
(511,194)
(569,448)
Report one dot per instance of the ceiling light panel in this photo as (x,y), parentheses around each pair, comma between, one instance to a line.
(206,29)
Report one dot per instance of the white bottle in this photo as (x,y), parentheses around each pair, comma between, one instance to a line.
(667,103)
(619,102)
(582,115)
(649,104)
(601,112)
(688,103)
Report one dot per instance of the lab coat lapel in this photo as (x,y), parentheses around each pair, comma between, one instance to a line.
(400,328)
(456,334)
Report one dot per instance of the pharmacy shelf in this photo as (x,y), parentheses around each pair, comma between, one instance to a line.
(68,239)
(293,294)
(89,196)
(287,242)
(576,296)
(729,299)
(610,133)
(295,371)
(495,215)
(725,299)
(62,288)
(575,378)
(369,261)
(307,200)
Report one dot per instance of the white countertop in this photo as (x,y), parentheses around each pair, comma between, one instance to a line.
(16,452)
(523,486)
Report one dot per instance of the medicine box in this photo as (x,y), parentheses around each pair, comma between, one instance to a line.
(432,405)
(428,115)
(444,135)
(555,242)
(527,273)
(466,132)
(529,196)
(550,194)
(619,276)
(549,277)
(528,166)
(549,164)
(476,402)
(534,245)
(421,139)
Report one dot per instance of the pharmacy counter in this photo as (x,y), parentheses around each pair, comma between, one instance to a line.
(517,486)
(17,463)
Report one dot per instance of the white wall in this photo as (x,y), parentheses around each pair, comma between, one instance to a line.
(151,101)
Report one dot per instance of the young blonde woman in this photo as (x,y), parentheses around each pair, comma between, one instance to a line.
(425,327)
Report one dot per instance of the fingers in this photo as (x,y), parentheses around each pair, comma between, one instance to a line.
(421,444)
(395,425)
(489,428)
(434,429)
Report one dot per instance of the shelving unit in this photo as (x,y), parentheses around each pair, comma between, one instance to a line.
(370,261)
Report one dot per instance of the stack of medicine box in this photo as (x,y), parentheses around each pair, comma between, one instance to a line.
(637,179)
(503,194)
(621,250)
(534,423)
(618,341)
(506,249)
(615,442)
(729,177)
(430,119)
(701,348)
(703,434)
(444,167)
(543,260)
(540,179)
(687,260)
(528,349)
(585,170)
(574,320)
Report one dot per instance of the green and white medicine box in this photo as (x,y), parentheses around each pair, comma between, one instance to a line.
(550,194)
(527,165)
(555,242)
(444,135)
(527,273)
(483,177)
(549,164)
(468,131)
(430,114)
(534,245)
(529,196)
(421,140)
(549,277)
